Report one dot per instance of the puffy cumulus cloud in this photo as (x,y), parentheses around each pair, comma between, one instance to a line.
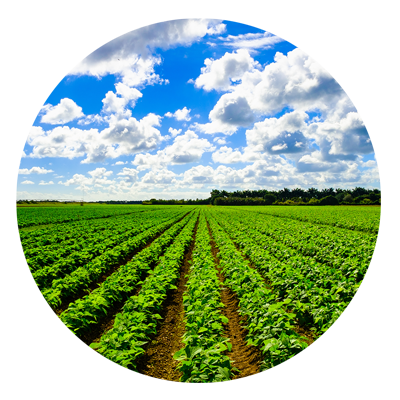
(180,115)
(27,183)
(129,174)
(252,41)
(219,140)
(174,132)
(65,111)
(124,95)
(120,163)
(293,81)
(186,148)
(229,113)
(98,179)
(223,73)
(43,183)
(159,178)
(130,56)
(21,106)
(34,170)
(123,136)
(226,155)
(282,135)
(341,136)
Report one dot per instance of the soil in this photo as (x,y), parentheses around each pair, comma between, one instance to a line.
(243,357)
(158,360)
(333,367)
(98,282)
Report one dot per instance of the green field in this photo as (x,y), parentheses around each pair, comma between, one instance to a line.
(198,293)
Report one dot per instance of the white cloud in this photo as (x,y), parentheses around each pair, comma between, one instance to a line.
(124,136)
(174,132)
(27,182)
(160,177)
(222,73)
(180,115)
(66,111)
(252,41)
(220,140)
(124,95)
(186,148)
(46,183)
(229,113)
(120,163)
(21,106)
(129,174)
(130,55)
(98,178)
(280,135)
(226,155)
(34,170)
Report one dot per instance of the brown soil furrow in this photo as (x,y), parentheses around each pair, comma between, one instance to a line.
(243,357)
(158,360)
(98,282)
(333,367)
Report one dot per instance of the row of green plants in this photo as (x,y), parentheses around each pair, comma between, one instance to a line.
(82,277)
(125,342)
(64,266)
(61,259)
(325,244)
(88,310)
(31,216)
(320,292)
(68,233)
(363,219)
(248,232)
(203,358)
(270,327)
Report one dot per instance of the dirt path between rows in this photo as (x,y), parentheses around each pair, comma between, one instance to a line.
(95,284)
(332,367)
(243,357)
(158,360)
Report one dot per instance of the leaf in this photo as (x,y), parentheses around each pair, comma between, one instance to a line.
(95,346)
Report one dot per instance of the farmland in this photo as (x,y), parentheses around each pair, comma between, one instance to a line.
(198,293)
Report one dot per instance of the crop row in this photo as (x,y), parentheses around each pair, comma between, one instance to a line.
(29,216)
(137,322)
(85,312)
(203,359)
(86,248)
(270,327)
(82,277)
(319,292)
(66,265)
(73,233)
(325,244)
(364,219)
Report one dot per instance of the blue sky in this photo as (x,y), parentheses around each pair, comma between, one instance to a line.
(176,109)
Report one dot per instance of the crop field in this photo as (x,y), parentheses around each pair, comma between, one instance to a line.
(198,293)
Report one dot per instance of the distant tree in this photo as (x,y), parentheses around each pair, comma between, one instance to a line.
(348,198)
(269,198)
(329,201)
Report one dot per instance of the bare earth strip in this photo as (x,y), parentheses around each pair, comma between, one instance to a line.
(243,357)
(334,368)
(158,360)
(97,283)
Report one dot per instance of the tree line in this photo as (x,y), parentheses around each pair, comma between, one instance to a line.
(285,196)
